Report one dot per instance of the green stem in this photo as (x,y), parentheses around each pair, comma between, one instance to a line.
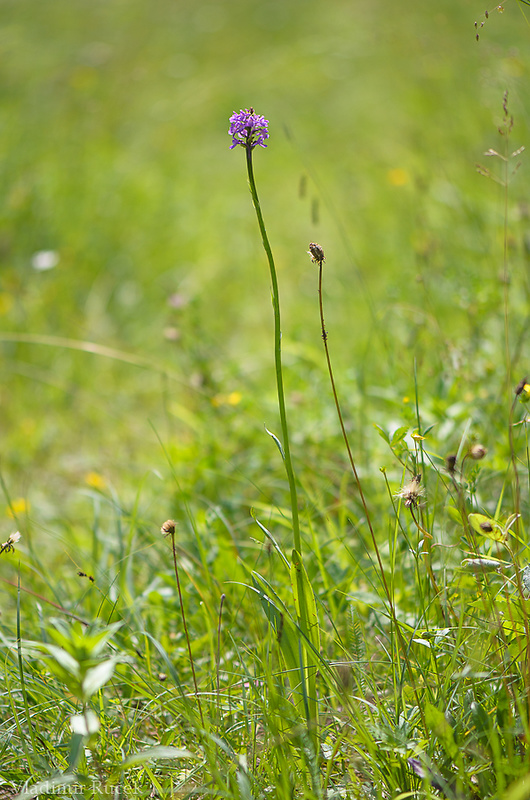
(184,624)
(277,353)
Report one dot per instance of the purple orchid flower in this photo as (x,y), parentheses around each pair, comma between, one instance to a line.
(248,129)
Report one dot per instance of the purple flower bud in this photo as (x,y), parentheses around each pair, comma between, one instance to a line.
(248,129)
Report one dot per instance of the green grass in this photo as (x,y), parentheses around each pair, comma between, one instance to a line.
(138,386)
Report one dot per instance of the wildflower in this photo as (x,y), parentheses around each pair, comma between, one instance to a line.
(168,528)
(9,546)
(44,260)
(95,480)
(425,772)
(316,253)
(248,129)
(231,399)
(398,176)
(18,506)
(411,493)
(178,300)
(477,451)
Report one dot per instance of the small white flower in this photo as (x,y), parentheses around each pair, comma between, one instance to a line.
(44,259)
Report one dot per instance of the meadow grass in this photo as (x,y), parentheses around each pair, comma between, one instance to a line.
(381,649)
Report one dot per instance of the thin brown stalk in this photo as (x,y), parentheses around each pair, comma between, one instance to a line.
(318,256)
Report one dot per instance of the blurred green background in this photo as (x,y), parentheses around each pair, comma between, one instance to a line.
(115,158)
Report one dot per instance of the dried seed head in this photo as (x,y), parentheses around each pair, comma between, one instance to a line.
(9,546)
(522,390)
(316,253)
(168,528)
(520,386)
(411,493)
(477,451)
(450,464)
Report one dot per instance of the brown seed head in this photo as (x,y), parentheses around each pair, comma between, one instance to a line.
(477,451)
(450,463)
(520,386)
(316,253)
(168,528)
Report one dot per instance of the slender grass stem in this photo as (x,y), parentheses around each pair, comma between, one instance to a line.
(505,131)
(169,528)
(517,486)
(277,353)
(218,659)
(32,756)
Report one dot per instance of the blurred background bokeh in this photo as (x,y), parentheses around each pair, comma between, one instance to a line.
(126,223)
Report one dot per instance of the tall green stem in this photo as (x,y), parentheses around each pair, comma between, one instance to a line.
(277,353)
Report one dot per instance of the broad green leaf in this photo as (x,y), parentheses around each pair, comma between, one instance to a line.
(438,724)
(75,751)
(63,659)
(398,435)
(481,721)
(243,784)
(156,753)
(454,514)
(98,676)
(382,433)
(486,527)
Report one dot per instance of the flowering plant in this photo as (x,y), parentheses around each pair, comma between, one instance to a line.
(248,129)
